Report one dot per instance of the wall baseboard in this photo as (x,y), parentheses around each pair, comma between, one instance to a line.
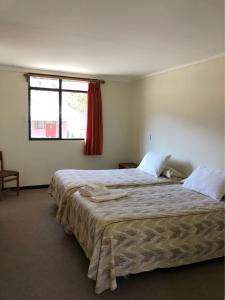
(29,187)
(33,187)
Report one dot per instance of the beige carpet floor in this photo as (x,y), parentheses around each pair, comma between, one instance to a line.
(39,261)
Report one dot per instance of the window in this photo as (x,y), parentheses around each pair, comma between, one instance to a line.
(57,108)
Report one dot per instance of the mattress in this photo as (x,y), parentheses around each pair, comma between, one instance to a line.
(65,182)
(153,227)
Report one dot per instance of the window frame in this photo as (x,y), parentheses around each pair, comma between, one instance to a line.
(60,90)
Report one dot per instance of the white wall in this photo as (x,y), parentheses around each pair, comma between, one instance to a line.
(37,160)
(183,111)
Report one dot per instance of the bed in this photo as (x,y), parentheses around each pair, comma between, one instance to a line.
(65,182)
(153,227)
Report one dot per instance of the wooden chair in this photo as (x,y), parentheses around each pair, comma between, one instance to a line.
(7,175)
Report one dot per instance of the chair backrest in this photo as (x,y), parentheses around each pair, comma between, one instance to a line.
(1,160)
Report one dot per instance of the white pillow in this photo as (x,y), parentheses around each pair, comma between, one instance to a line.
(209,182)
(154,163)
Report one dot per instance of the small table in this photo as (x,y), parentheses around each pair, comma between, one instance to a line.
(128,165)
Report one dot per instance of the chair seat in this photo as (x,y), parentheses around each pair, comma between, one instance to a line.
(8,173)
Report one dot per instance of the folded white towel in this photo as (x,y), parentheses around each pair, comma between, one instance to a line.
(114,194)
(92,190)
(100,193)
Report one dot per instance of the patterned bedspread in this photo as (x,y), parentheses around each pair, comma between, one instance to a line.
(65,182)
(153,227)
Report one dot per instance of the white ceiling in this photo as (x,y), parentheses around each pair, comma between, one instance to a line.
(127,38)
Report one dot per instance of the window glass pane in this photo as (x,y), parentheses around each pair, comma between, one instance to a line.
(75,85)
(44,110)
(51,83)
(74,115)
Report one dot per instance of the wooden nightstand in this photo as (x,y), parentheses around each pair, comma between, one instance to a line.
(127,165)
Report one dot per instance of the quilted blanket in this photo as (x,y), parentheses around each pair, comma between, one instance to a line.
(153,227)
(65,182)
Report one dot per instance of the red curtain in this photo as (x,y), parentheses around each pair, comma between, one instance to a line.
(94,134)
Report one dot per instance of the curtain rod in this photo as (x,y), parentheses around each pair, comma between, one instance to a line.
(27,75)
